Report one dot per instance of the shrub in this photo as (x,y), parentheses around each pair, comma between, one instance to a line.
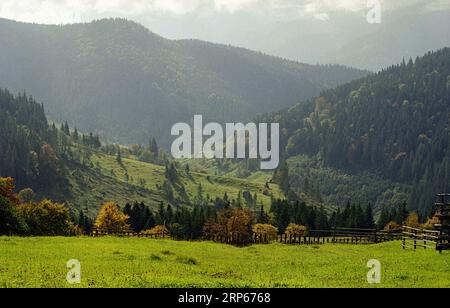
(262,230)
(393,227)
(158,231)
(10,220)
(430,224)
(412,220)
(296,230)
(46,218)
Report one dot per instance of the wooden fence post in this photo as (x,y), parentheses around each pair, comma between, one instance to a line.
(415,240)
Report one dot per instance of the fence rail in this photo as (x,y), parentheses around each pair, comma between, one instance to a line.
(340,236)
(101,233)
(414,238)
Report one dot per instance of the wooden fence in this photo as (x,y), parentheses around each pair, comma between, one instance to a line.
(443,227)
(239,240)
(312,237)
(101,233)
(414,238)
(340,236)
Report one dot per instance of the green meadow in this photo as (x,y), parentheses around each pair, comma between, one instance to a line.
(140,262)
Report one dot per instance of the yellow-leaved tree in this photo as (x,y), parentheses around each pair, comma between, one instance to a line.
(111,219)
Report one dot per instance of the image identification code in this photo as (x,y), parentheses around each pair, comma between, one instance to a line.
(226,298)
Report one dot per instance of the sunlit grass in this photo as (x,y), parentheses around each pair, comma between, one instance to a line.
(133,262)
(212,186)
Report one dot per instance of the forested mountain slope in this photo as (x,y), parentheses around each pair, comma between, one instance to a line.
(395,124)
(120,80)
(26,152)
(71,168)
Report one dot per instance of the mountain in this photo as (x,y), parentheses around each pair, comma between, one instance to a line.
(407,29)
(127,84)
(389,131)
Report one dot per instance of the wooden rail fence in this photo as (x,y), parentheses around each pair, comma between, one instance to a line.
(339,236)
(239,240)
(414,238)
(101,233)
(312,237)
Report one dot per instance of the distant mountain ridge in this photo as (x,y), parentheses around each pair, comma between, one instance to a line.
(118,79)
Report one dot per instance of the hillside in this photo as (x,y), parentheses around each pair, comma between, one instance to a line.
(71,169)
(108,181)
(118,79)
(394,125)
(27,144)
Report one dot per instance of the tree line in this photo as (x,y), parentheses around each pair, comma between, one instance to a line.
(22,214)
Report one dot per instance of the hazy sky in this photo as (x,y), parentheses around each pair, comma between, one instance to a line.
(70,11)
(310,31)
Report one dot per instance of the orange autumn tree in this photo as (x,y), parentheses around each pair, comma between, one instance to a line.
(10,220)
(111,219)
(7,190)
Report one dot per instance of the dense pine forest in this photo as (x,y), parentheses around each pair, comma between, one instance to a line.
(388,129)
(27,145)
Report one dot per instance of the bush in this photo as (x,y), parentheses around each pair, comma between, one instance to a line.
(393,227)
(10,220)
(45,218)
(261,230)
(430,224)
(296,230)
(158,231)
(412,220)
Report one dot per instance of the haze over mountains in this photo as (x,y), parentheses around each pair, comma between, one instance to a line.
(118,79)
(323,31)
(308,31)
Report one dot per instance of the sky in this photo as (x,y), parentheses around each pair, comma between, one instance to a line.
(73,11)
(309,31)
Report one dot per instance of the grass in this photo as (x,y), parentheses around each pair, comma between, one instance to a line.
(134,262)
(88,188)
(214,186)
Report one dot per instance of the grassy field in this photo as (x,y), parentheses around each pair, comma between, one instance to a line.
(116,262)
